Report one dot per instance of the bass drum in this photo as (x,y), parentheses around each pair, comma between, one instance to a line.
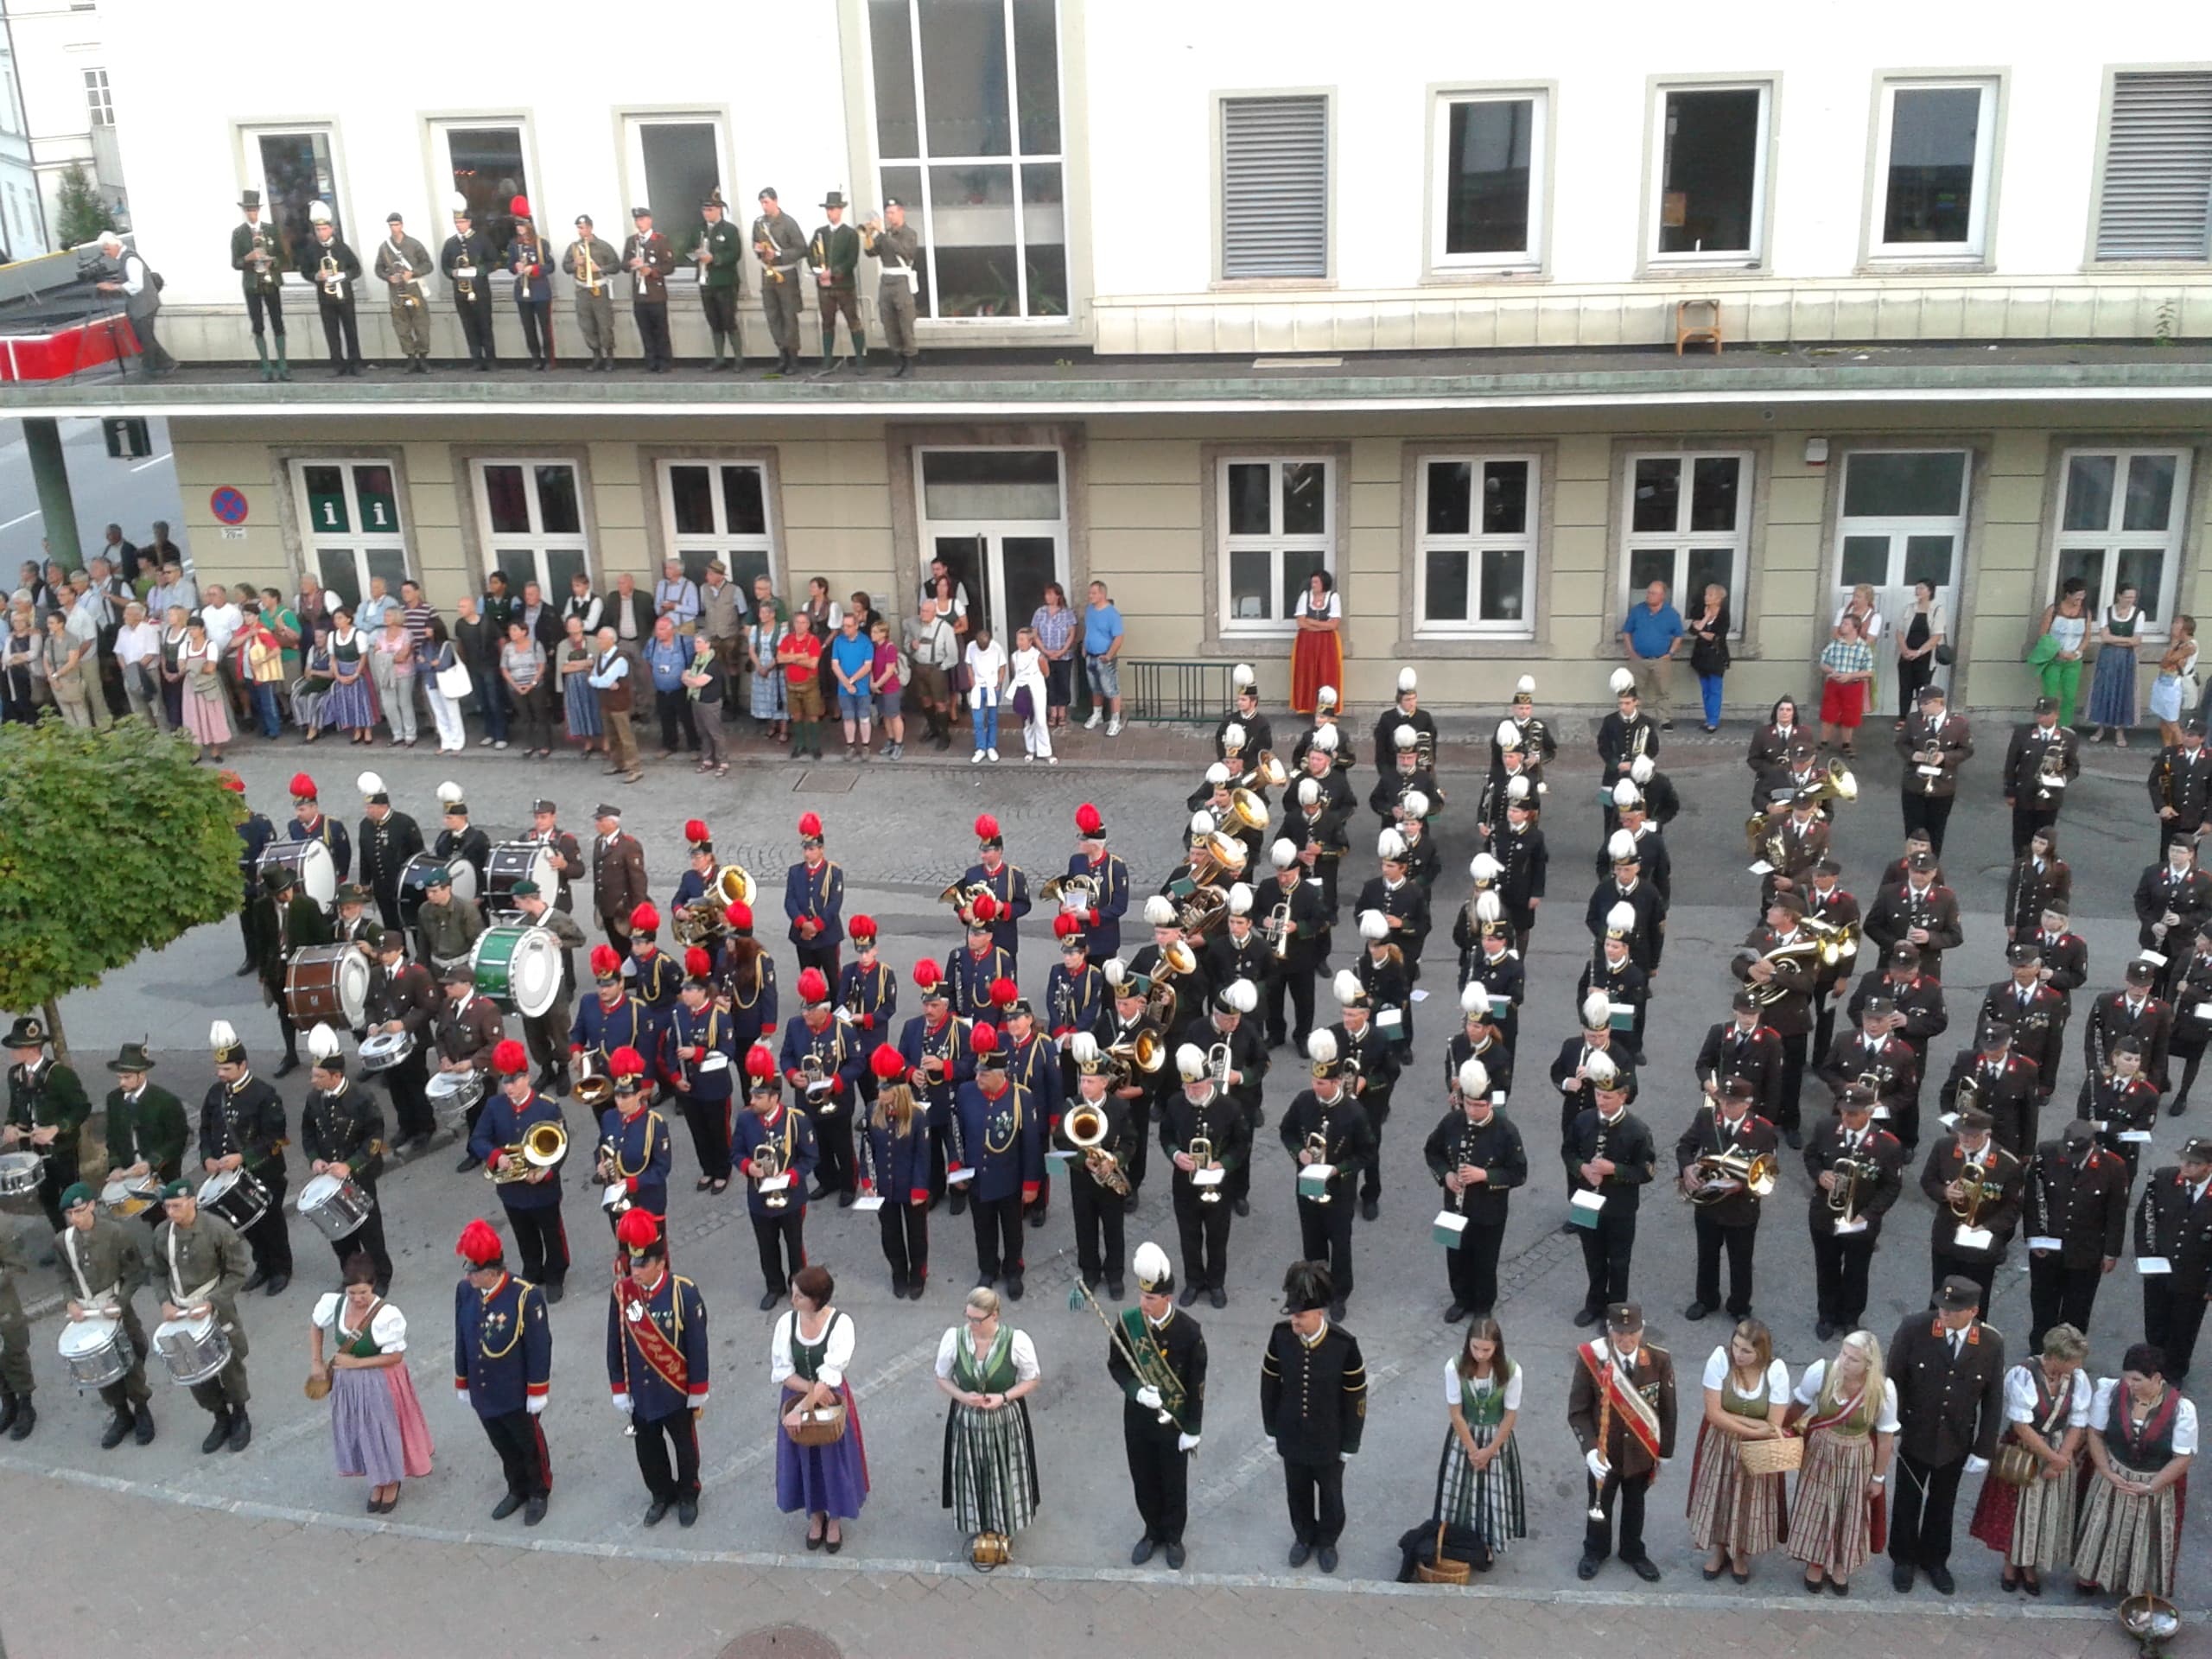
(327,984)
(516,861)
(518,968)
(235,1196)
(310,864)
(414,878)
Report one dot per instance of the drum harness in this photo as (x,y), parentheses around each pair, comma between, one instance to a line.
(109,1303)
(183,1298)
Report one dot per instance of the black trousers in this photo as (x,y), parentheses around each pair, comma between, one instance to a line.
(1325,1234)
(720,305)
(906,1239)
(1824,1008)
(1921,1497)
(269,1239)
(782,1239)
(661,1439)
(652,332)
(2026,821)
(476,326)
(2171,1316)
(819,953)
(285,1028)
(1623,1503)
(998,1236)
(1159,1474)
(1792,1080)
(1136,1143)
(367,1239)
(1472,1268)
(1203,1229)
(341,331)
(1840,1268)
(59,1175)
(411,1114)
(538,334)
(1928,812)
(1100,1241)
(1606,1249)
(1370,1176)
(542,1241)
(387,897)
(273,301)
(833,1139)
(710,1122)
(1300,982)
(2058,1294)
(1316,1493)
(1740,1242)
(1940,1267)
(675,709)
(524,1459)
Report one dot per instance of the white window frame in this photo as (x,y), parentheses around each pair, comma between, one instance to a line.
(633,163)
(720,541)
(1681,539)
(2112,540)
(361,541)
(1848,525)
(1274,541)
(257,178)
(442,130)
(1529,257)
(1752,258)
(492,545)
(99,99)
(1474,544)
(1985,169)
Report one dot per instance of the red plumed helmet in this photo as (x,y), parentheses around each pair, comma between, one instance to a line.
(758,1062)
(644,919)
(637,1230)
(987,827)
(886,1062)
(697,963)
(605,962)
(1087,819)
(519,206)
(233,782)
(509,1058)
(1065,925)
(860,927)
(986,908)
(303,787)
(813,988)
(927,973)
(695,829)
(983,1038)
(1004,991)
(739,916)
(478,1244)
(810,823)
(625,1062)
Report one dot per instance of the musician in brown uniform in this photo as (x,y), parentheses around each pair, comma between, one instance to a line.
(467,1029)
(1922,912)
(203,1263)
(618,876)
(2181,785)
(1949,1369)
(649,259)
(1728,1204)
(102,1264)
(1857,1171)
(1778,962)
(1975,1185)
(404,998)
(1934,743)
(2077,1221)
(1621,1409)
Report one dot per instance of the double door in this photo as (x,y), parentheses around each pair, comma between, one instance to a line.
(997,519)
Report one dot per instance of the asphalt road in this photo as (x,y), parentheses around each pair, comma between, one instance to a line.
(132,493)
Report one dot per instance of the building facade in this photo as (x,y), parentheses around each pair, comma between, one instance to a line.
(1208,307)
(57,110)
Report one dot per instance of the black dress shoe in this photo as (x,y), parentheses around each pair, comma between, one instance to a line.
(1325,1558)
(288,1064)
(1823,1330)
(1217,1297)
(25,1420)
(254,1282)
(1116,1289)
(687,1512)
(1586,1568)
(1013,1287)
(1695,1311)
(1337,1310)
(1037,1217)
(143,1431)
(1586,1317)
(12,1406)
(1243,1206)
(1454,1313)
(241,1435)
(506,1506)
(1300,1553)
(1369,1209)
(1940,1579)
(846,1200)
(657,1512)
(533,1511)
(1174,1554)
(1190,1294)
(468,1161)
(1793,1140)
(555,1291)
(1900,1577)
(2177,1109)
(276,1283)
(914,1291)
(1142,1553)
(1645,1569)
(769,1299)
(118,1428)
(244,968)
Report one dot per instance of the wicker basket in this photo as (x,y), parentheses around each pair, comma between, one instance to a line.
(1772,1457)
(820,1426)
(1440,1571)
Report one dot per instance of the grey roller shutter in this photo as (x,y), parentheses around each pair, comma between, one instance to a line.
(2157,189)
(1274,186)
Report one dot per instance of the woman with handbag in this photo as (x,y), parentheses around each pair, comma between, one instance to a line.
(821,1461)
(377,1427)
(1736,1508)
(447,687)
(1478,1484)
(1031,696)
(989,1480)
(1847,1409)
(1920,647)
(2175,689)
(2026,1511)
(1709,649)
(2142,1435)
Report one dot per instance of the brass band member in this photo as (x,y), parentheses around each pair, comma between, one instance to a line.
(511,1141)
(2181,784)
(204,1262)
(1975,1185)
(242,1128)
(648,258)
(283,920)
(401,262)
(47,1109)
(2046,1413)
(657,1363)
(1330,1139)
(1935,744)
(2041,761)
(1314,1407)
(780,246)
(776,1154)
(1950,1369)
(2125,1102)
(1208,1137)
(590,262)
(896,1170)
(719,253)
(1094,1132)
(1609,1150)
(1621,1408)
(2076,1222)
(897,249)
(465,261)
(1726,1131)
(102,1264)
(1476,1154)
(1158,1359)
(833,256)
(2002,1085)
(503,1367)
(257,254)
(2173,1223)
(1296,914)
(334,268)
(1857,1171)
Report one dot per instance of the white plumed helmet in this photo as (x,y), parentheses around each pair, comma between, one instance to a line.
(1474,1078)
(1623,681)
(1373,925)
(1240,899)
(1160,911)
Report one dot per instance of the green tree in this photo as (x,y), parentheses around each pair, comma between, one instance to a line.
(111,842)
(80,216)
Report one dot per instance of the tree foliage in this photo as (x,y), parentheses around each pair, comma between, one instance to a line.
(111,842)
(79,214)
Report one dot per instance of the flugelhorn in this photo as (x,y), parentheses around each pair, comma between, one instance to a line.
(1200,1153)
(1712,1177)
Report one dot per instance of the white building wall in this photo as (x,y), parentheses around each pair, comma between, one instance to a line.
(54,43)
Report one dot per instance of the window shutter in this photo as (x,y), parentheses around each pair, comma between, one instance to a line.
(2157,194)
(1274,186)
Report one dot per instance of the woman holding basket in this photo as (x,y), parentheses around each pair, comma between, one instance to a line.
(821,1461)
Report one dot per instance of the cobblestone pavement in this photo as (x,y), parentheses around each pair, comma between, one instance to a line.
(901,834)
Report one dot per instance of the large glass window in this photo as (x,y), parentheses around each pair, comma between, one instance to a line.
(1487,188)
(1904,522)
(1934,167)
(1277,528)
(967,104)
(1476,559)
(293,170)
(529,522)
(350,528)
(99,103)
(719,510)
(675,161)
(2119,522)
(1689,523)
(1711,178)
(487,165)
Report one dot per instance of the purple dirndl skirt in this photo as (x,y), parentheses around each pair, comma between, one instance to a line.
(822,1479)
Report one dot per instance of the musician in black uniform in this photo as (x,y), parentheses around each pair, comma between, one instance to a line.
(341,1132)
(1096,1178)
(1325,1125)
(242,1126)
(2041,761)
(466,261)
(1915,1014)
(1615,976)
(461,840)
(310,822)
(1743,1045)
(2133,1012)
(1538,746)
(1991,1077)
(1575,1071)
(255,833)
(2126,1103)
(47,1109)
(2181,787)
(1922,912)
(1126,1029)
(1479,1039)
(1240,951)
(1370,1062)
(1403,903)
(1626,733)
(2039,881)
(403,997)
(1163,1408)
(2191,1030)
(284,920)
(331,269)
(1305,913)
(1882,1061)
(389,839)
(1327,735)
(1228,1023)
(2035,1012)
(1476,1155)
(1609,1152)
(2076,1222)
(2172,900)
(1503,976)
(1934,743)
(1405,711)
(1826,903)
(1313,1408)
(1630,819)
(1626,886)
(1259,731)
(2173,1224)
(1509,761)
(1949,1369)
(1726,1212)
(1203,1116)
(1857,1171)
(1975,1185)
(1319,828)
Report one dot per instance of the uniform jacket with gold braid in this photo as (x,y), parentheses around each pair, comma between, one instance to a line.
(840,1058)
(816,892)
(948,1042)
(326,829)
(1313,1395)
(654,982)
(871,994)
(1009,888)
(793,1133)
(1102,923)
(657,1346)
(1173,1354)
(708,1028)
(1002,1140)
(502,1124)
(502,1346)
(246,1117)
(969,977)
(641,1155)
(598,1030)
(1075,1002)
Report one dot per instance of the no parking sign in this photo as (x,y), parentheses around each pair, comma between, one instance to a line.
(228,504)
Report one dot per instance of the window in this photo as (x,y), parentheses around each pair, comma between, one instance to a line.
(719,510)
(2157,198)
(1904,522)
(967,104)
(1274,187)
(1689,521)
(349,525)
(292,170)
(1477,551)
(1277,529)
(531,519)
(2119,520)
(673,162)
(1712,174)
(485,164)
(1933,168)
(98,103)
(1488,191)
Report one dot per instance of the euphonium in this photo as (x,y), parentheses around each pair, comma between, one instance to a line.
(1267,773)
(1144,1051)
(734,885)
(1843,1195)
(1715,1171)
(1805,950)
(542,1146)
(699,923)
(1085,1127)
(1838,785)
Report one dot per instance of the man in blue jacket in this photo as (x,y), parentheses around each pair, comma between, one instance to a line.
(1002,1143)
(532,1198)
(776,1154)
(656,1365)
(503,1367)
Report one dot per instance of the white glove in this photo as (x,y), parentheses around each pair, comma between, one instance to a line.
(1595,1462)
(1148,1397)
(536,1404)
(461,1395)
(1977,1465)
(1186,1442)
(624,1404)
(843,1016)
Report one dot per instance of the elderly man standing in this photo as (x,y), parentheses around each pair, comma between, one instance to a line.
(1648,637)
(721,619)
(88,621)
(610,676)
(138,654)
(131,278)
(676,596)
(933,649)
(666,659)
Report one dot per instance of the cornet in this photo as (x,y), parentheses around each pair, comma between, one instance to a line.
(1200,1153)
(332,279)
(767,1163)
(764,248)
(1279,931)
(1317,1143)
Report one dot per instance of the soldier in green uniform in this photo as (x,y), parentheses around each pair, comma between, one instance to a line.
(334,268)
(719,254)
(898,248)
(146,1129)
(102,1264)
(401,261)
(780,246)
(587,262)
(834,255)
(258,257)
(47,1109)
(18,1416)
(203,1263)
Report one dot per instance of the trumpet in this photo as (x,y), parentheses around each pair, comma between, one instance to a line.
(541,1146)
(1279,931)
(330,277)
(264,262)
(1085,1127)
(1267,772)
(1713,1177)
(1200,1153)
(764,248)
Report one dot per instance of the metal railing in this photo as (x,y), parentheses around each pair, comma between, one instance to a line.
(1156,689)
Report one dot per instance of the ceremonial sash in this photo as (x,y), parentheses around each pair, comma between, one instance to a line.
(1152,1364)
(644,1333)
(1845,1410)
(1630,1409)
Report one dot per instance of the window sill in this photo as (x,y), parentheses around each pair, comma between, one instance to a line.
(1890,264)
(1475,276)
(1470,647)
(1271,284)
(1661,268)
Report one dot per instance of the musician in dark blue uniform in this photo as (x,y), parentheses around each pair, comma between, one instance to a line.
(939,1058)
(1002,1141)
(973,971)
(897,1171)
(697,1060)
(1075,994)
(698,882)
(1101,919)
(776,1154)
(656,1364)
(744,980)
(868,994)
(814,900)
(609,1021)
(1034,1062)
(656,978)
(503,1367)
(533,1198)
(821,1065)
(310,822)
(634,1143)
(1007,887)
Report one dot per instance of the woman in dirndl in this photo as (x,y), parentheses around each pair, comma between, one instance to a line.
(206,712)
(2046,1413)
(1316,654)
(2142,1434)
(349,704)
(377,1427)
(1734,1512)
(807,1359)
(2112,679)
(579,702)
(1849,1421)
(990,1456)
(1478,1483)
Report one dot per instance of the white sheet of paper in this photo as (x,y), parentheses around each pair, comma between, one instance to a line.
(2136,1137)
(1390,1018)
(1880,1111)
(2043,1243)
(1320,1172)
(959,1177)
(1451,1221)
(2202,1011)
(1208,1176)
(1974,1238)
(1498,1099)
(1421,996)
(1590,1201)
(2050,783)
(1930,772)
(776,1183)
(1847,1225)
(871,1202)
(1762,868)
(2153,1264)
(2151,957)
(613,1192)
(1947,1119)
(1059,1154)
(2096,1126)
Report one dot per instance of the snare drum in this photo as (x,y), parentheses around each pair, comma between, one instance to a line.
(125,1198)
(20,1173)
(415,883)
(310,863)
(460,1089)
(95,1351)
(236,1196)
(386,1050)
(337,1208)
(327,984)
(518,968)
(516,861)
(193,1349)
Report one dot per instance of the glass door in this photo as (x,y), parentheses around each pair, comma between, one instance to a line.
(1904,522)
(997,519)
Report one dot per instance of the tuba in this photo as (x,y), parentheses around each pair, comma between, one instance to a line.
(734,885)
(1176,962)
(1085,1127)
(1713,1177)
(700,923)
(1221,857)
(1249,811)
(543,1146)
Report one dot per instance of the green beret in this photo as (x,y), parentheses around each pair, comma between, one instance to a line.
(76,1193)
(178,1190)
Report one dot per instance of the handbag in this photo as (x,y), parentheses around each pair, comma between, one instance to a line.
(1024,705)
(2016,1465)
(1943,654)
(453,683)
